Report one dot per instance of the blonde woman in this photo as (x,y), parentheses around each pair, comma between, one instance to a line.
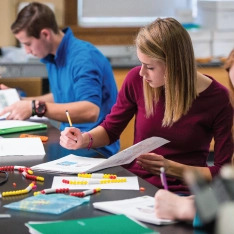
(169,99)
(171,206)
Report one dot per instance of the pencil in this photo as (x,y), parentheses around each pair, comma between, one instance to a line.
(68,117)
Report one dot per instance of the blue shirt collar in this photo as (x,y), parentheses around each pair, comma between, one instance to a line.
(60,57)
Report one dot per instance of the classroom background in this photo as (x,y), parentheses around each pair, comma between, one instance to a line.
(112,25)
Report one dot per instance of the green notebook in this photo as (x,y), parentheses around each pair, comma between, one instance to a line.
(12,126)
(113,224)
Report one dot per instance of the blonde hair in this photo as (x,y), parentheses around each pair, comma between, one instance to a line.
(227,65)
(167,40)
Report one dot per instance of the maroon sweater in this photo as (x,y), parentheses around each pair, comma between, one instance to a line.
(211,115)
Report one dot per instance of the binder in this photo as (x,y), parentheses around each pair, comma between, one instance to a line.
(13,126)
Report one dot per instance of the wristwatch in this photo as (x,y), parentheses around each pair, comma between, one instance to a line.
(38,109)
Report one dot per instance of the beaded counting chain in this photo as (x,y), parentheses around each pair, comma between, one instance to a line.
(83,182)
(97,175)
(19,168)
(85,193)
(32,177)
(18,192)
(51,190)
(66,190)
(26,172)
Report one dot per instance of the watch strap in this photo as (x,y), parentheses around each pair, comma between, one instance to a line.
(33,108)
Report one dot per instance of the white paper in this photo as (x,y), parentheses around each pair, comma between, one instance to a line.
(70,164)
(128,155)
(73,164)
(140,208)
(130,184)
(21,147)
(7,98)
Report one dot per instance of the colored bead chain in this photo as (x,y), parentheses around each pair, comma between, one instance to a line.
(84,182)
(97,175)
(51,190)
(85,193)
(19,168)
(32,177)
(18,192)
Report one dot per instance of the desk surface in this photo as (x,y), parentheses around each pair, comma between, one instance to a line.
(15,224)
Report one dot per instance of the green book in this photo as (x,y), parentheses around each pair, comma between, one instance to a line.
(113,224)
(12,126)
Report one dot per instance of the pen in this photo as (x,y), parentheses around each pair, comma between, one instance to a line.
(163,178)
(68,117)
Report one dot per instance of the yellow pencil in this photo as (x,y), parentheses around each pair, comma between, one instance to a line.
(68,117)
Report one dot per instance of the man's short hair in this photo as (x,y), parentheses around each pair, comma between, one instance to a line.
(33,18)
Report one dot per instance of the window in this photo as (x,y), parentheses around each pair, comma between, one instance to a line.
(132,13)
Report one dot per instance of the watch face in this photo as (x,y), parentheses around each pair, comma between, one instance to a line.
(41,109)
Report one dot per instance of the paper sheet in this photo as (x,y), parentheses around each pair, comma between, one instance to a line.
(7,98)
(140,208)
(73,164)
(131,184)
(21,147)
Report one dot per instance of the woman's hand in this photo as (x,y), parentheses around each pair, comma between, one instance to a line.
(152,163)
(71,138)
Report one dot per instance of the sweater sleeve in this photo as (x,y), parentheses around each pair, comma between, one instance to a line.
(125,107)
(223,148)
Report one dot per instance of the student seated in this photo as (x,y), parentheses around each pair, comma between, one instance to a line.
(172,206)
(169,99)
(80,76)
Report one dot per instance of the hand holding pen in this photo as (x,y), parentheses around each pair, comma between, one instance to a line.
(71,138)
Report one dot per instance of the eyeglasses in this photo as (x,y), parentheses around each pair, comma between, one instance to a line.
(3,177)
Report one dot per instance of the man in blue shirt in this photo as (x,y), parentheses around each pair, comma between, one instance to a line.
(80,76)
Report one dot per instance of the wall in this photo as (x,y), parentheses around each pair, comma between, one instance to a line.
(8,15)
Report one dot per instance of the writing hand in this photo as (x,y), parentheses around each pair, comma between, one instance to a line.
(171,206)
(71,138)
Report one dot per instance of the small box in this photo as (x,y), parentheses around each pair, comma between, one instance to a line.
(201,40)
(215,14)
(223,43)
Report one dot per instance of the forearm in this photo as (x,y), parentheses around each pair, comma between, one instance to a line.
(45,98)
(80,112)
(99,136)
(177,170)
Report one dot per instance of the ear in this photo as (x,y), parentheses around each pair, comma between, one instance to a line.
(45,33)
